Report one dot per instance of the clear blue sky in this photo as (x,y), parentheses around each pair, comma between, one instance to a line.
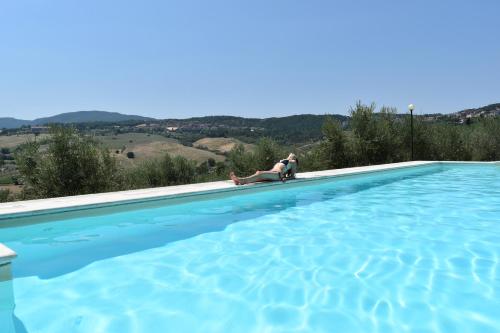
(251,58)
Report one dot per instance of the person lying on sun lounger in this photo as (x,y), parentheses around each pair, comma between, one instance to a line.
(284,169)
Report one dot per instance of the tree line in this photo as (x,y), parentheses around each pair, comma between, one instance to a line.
(74,164)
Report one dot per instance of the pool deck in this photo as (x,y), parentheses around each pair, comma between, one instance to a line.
(34,207)
(6,254)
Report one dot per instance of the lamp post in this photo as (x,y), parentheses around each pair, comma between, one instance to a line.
(411,107)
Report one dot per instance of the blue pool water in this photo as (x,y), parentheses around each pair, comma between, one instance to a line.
(415,250)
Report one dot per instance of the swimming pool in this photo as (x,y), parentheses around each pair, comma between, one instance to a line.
(413,250)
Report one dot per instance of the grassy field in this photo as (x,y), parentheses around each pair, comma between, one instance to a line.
(221,145)
(146,146)
(131,140)
(12,141)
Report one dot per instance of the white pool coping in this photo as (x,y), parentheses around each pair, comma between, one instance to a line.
(6,254)
(29,207)
(41,206)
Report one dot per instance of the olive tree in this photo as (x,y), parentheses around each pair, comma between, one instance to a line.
(71,164)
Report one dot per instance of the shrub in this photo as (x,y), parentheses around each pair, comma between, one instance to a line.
(184,171)
(376,135)
(6,180)
(485,140)
(333,150)
(4,195)
(221,169)
(266,154)
(130,154)
(240,162)
(202,169)
(162,172)
(72,165)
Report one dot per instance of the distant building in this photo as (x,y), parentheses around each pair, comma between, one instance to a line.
(172,129)
(152,125)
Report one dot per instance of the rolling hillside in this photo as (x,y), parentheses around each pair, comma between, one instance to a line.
(221,145)
(9,122)
(147,146)
(73,117)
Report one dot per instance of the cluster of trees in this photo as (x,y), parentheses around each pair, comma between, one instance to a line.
(72,164)
(305,128)
(385,137)
(373,137)
(266,153)
(76,164)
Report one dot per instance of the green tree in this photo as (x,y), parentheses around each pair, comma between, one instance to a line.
(73,164)
(485,140)
(452,143)
(267,153)
(211,162)
(333,150)
(221,169)
(240,162)
(376,136)
(162,171)
(4,195)
(362,120)
(184,171)
(387,141)
(202,169)
(423,139)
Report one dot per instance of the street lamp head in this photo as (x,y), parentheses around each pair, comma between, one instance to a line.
(411,107)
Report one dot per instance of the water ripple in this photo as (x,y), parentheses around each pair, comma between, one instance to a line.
(417,255)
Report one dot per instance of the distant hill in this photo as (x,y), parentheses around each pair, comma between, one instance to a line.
(491,110)
(488,110)
(73,117)
(278,123)
(296,128)
(89,116)
(9,122)
(291,125)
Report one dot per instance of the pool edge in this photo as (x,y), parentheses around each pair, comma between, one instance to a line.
(6,255)
(17,209)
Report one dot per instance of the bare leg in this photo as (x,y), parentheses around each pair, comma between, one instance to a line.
(260,176)
(235,179)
